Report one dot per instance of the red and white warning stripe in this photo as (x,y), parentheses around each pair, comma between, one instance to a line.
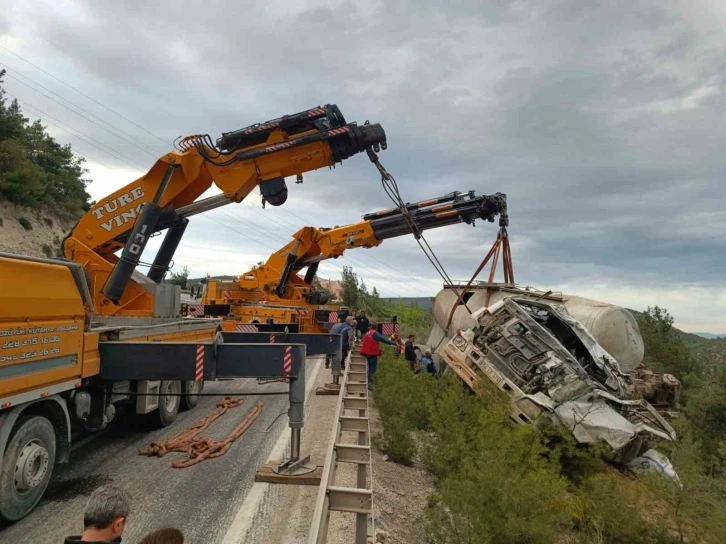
(199,369)
(245,327)
(197,310)
(390,328)
(287,361)
(272,339)
(340,130)
(333,317)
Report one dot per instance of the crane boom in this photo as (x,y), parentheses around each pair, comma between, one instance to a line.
(164,198)
(277,281)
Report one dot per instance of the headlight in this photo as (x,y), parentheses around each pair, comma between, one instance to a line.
(460,342)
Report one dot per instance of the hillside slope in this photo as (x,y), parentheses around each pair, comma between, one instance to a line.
(47,229)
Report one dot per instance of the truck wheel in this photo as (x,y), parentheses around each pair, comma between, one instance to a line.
(192,390)
(27,466)
(169,402)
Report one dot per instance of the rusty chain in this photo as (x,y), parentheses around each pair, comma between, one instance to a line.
(199,448)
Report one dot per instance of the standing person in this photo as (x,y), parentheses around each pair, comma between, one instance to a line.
(363,324)
(371,349)
(352,332)
(105,517)
(399,344)
(342,329)
(410,351)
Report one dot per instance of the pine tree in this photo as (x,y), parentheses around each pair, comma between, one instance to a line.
(349,289)
(35,169)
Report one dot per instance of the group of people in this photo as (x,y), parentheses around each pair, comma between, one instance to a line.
(105,517)
(361,328)
(408,348)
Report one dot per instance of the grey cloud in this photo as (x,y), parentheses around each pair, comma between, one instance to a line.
(602,122)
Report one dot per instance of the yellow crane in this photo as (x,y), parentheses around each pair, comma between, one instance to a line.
(282,289)
(81,335)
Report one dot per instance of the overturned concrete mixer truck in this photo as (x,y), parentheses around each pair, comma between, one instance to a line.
(574,361)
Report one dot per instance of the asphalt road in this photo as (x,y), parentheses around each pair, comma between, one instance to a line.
(201,500)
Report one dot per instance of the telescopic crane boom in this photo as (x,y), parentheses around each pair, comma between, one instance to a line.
(164,198)
(278,281)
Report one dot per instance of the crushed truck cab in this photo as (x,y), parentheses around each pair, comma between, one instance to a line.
(552,368)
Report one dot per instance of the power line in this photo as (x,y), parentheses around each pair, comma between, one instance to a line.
(38,112)
(85,95)
(247,237)
(77,149)
(368,266)
(365,267)
(360,265)
(74,111)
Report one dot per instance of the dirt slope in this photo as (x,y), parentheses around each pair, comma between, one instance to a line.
(47,229)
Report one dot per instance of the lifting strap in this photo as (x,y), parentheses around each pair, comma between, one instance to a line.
(500,246)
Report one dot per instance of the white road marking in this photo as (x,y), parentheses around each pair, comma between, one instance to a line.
(242,522)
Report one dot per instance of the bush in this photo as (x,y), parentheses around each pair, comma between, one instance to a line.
(25,223)
(401,399)
(501,482)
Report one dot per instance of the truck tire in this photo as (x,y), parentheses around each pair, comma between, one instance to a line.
(27,466)
(169,402)
(191,390)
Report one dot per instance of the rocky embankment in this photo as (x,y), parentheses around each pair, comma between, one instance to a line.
(33,231)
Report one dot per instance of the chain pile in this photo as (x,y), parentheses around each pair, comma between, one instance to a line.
(200,448)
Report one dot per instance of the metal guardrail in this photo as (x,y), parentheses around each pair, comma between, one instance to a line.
(353,396)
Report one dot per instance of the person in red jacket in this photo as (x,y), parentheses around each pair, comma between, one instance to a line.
(370,349)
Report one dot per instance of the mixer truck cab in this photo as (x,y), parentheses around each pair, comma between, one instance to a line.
(553,369)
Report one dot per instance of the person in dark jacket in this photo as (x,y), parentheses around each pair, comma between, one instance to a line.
(105,517)
(342,328)
(363,324)
(410,351)
(371,349)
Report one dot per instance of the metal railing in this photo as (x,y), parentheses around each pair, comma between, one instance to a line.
(353,397)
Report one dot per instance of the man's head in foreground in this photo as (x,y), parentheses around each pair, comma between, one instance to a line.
(106,513)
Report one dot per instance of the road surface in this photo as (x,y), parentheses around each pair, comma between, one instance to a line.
(202,500)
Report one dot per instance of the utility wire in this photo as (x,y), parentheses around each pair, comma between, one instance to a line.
(247,236)
(74,111)
(379,275)
(435,260)
(400,278)
(79,151)
(83,137)
(85,95)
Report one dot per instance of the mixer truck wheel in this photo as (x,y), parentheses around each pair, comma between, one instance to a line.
(27,466)
(192,390)
(169,402)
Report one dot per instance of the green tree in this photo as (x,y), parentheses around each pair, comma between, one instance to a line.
(180,278)
(35,169)
(665,349)
(350,290)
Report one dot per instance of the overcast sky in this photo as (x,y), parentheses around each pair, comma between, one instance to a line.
(603,122)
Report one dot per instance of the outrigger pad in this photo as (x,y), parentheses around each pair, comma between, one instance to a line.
(267,474)
(328,389)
